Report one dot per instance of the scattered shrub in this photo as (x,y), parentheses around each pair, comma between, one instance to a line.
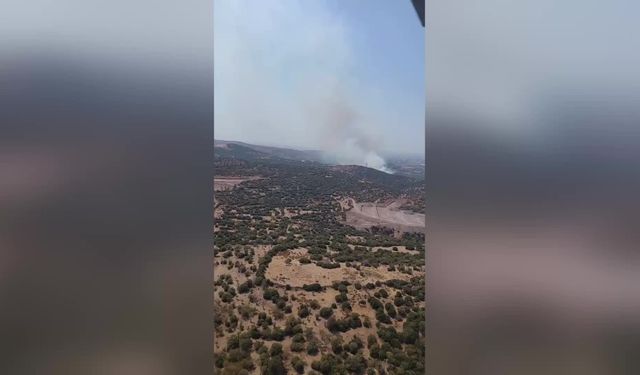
(336,345)
(298,364)
(276,349)
(297,346)
(341,298)
(326,312)
(312,287)
(303,311)
(312,348)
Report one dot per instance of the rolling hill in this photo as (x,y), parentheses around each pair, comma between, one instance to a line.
(246,151)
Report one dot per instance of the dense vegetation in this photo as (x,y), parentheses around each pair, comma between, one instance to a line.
(265,326)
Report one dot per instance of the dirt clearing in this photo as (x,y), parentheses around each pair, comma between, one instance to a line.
(295,274)
(365,215)
(228,182)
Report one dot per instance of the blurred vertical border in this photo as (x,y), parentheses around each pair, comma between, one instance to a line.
(107,127)
(533,146)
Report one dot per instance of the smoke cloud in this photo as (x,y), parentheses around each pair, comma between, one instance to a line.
(284,76)
(342,140)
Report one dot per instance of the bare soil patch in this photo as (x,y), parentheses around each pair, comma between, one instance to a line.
(229,182)
(295,274)
(366,214)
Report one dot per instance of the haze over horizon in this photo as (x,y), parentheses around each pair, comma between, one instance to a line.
(334,76)
(303,148)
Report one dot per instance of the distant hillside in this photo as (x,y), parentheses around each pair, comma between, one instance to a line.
(233,155)
(246,151)
(375,176)
(235,151)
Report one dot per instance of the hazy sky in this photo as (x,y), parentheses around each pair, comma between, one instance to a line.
(311,74)
(512,64)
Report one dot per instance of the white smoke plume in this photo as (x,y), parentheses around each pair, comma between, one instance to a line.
(374,160)
(342,132)
(284,76)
